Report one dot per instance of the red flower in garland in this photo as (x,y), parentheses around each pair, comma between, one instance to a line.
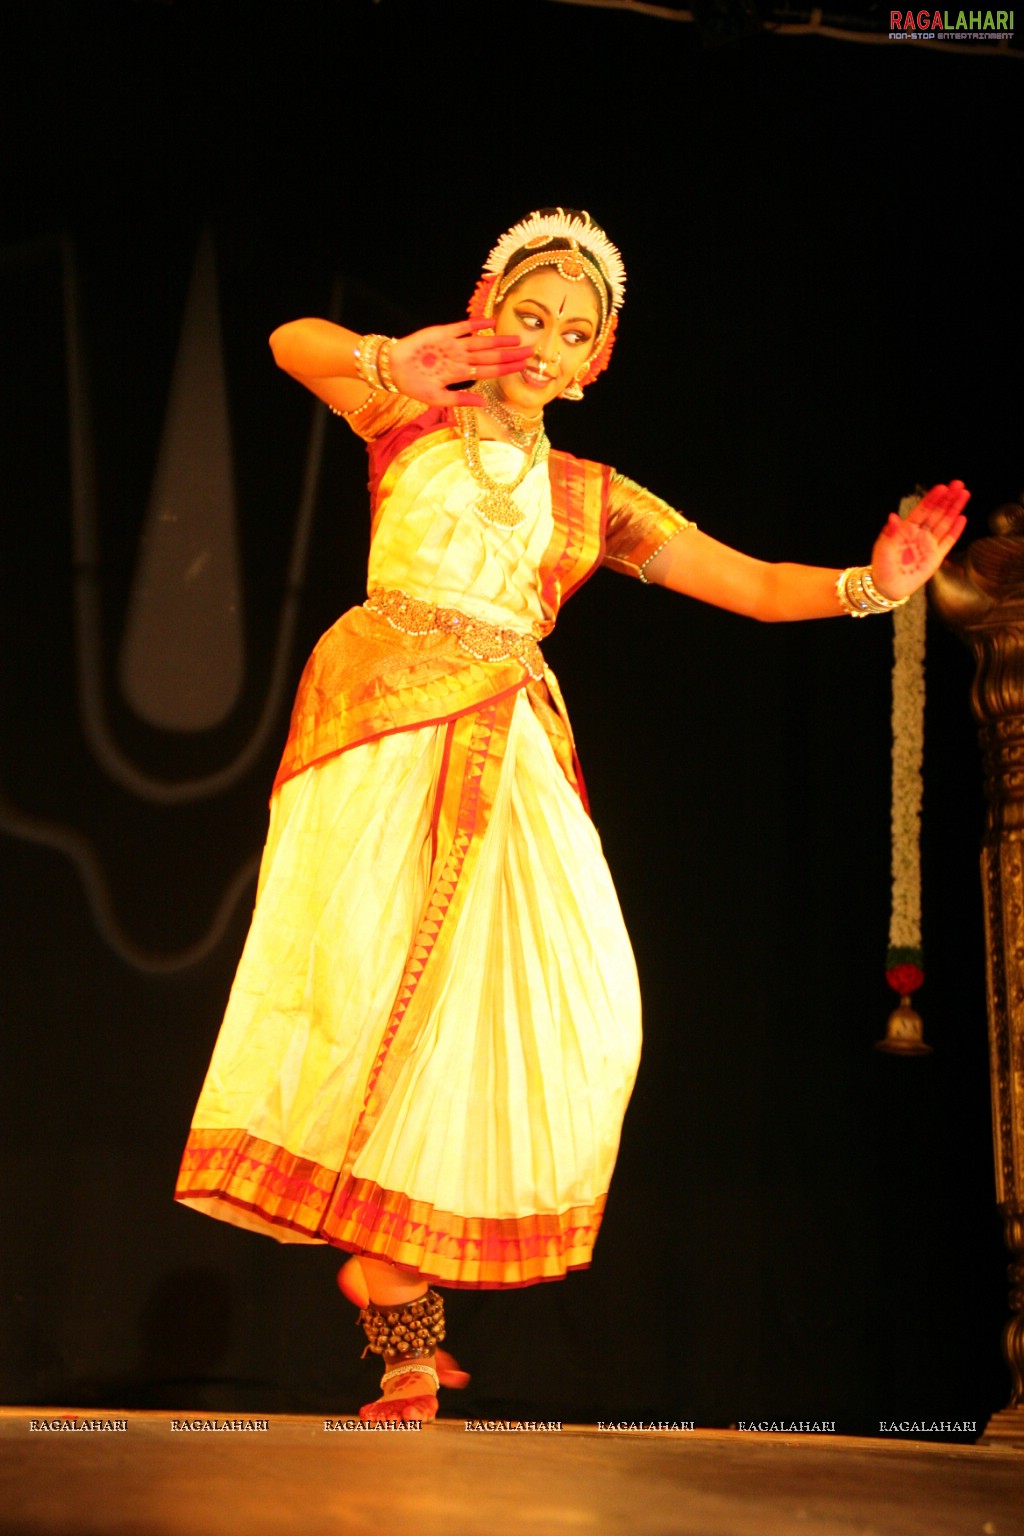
(905,978)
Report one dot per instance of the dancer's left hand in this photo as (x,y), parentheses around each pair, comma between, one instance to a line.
(909,550)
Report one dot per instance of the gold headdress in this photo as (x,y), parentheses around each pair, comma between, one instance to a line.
(586,253)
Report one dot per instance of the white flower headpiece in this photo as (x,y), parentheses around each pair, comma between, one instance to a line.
(538,229)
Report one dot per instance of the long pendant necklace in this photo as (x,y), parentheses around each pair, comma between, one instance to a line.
(496,506)
(521,429)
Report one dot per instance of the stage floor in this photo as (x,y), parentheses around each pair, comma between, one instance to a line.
(151,1479)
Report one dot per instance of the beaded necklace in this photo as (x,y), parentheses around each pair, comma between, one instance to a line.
(521,429)
(496,505)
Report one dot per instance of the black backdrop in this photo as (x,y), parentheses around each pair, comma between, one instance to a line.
(822,313)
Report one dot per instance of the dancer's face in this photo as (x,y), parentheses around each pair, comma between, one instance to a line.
(560,320)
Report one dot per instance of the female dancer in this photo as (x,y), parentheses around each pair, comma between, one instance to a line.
(435,1026)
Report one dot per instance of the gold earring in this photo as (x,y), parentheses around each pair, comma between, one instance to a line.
(574,391)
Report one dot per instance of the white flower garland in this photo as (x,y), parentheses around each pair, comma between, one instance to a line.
(908,694)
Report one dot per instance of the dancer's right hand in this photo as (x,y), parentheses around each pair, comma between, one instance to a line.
(426,364)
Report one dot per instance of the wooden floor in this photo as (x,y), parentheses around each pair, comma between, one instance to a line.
(150,1479)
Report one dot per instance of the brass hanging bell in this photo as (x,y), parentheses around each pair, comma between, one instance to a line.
(904,1033)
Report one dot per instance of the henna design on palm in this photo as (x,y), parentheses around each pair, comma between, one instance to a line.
(428,363)
(909,551)
(918,549)
(435,361)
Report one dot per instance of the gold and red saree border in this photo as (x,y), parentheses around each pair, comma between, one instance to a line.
(271,1190)
(579,494)
(366,680)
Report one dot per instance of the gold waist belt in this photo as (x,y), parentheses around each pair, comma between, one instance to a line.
(483,641)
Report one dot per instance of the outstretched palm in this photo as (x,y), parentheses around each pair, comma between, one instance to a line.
(910,549)
(426,364)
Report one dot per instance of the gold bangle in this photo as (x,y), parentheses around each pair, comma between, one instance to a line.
(846,601)
(366,354)
(871,592)
(384,366)
(859,597)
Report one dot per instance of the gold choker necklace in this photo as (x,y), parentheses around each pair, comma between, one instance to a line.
(521,429)
(496,505)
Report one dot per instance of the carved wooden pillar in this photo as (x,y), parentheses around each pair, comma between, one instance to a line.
(983,601)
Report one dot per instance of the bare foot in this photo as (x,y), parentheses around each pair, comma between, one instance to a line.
(408,1396)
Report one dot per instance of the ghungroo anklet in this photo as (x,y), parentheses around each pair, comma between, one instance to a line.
(412,1330)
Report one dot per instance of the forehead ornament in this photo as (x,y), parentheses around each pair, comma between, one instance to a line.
(538,230)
